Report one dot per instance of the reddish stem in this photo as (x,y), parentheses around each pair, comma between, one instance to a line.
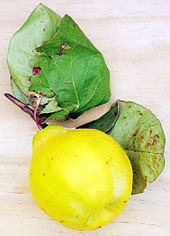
(35,112)
(27,109)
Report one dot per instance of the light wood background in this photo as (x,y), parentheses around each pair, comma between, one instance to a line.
(134,37)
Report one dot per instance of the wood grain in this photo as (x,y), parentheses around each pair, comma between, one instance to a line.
(134,38)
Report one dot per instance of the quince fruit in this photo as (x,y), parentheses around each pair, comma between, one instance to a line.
(82,178)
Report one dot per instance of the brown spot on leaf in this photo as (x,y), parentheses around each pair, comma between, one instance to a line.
(64,102)
(137,131)
(63,45)
(140,113)
(151,131)
(129,106)
(36,70)
(51,58)
(124,117)
(44,29)
(67,83)
(153,141)
(60,54)
(141,139)
(155,159)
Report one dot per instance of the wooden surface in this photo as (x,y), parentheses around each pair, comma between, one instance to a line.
(134,37)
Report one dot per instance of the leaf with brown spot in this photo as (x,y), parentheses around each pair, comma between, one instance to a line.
(142,137)
(58,61)
(22,48)
(84,78)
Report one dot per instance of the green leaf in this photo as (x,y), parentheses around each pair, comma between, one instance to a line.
(140,134)
(75,73)
(41,25)
(61,114)
(106,122)
(18,93)
(53,57)
(52,106)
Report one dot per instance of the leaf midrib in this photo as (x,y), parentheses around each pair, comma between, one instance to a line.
(133,150)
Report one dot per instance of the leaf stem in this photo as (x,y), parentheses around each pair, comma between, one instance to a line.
(35,112)
(27,109)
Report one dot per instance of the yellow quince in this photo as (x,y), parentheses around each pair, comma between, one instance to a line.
(82,178)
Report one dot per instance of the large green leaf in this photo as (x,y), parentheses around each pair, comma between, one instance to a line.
(72,69)
(140,134)
(52,56)
(41,25)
